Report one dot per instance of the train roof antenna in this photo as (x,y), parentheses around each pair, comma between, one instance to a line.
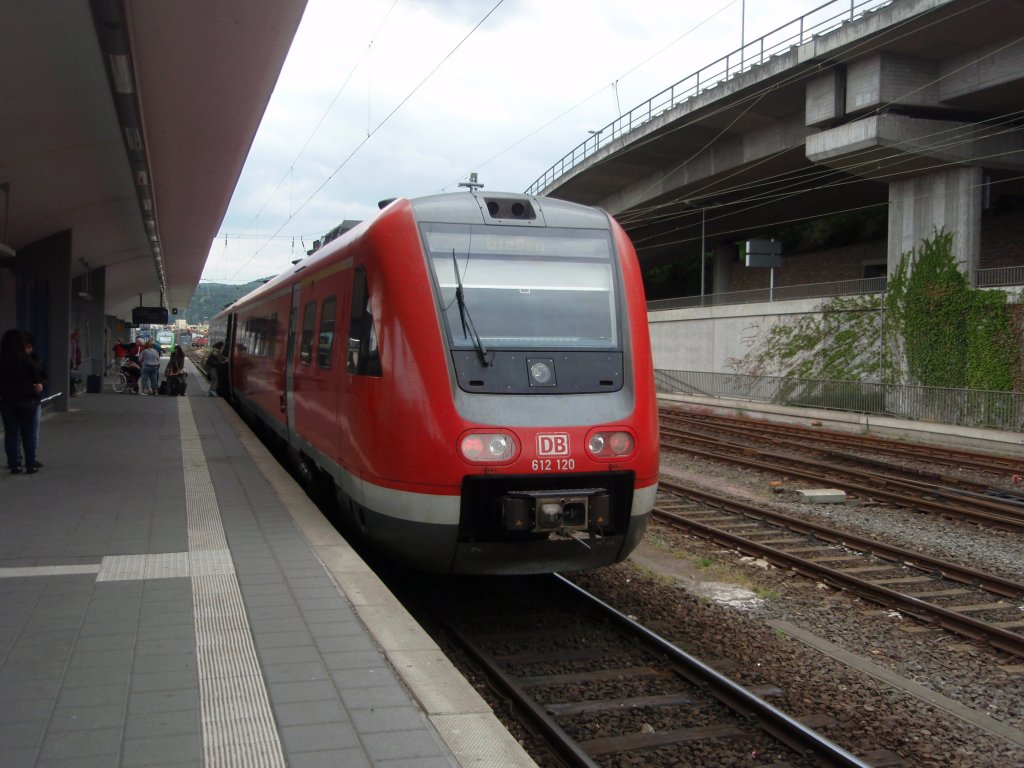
(473,184)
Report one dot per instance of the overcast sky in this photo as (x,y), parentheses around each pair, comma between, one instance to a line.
(400,98)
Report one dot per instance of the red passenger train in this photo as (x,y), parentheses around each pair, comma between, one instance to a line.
(474,372)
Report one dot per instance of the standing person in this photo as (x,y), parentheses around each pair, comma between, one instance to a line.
(175,372)
(214,361)
(21,384)
(149,359)
(119,353)
(178,356)
(30,341)
(74,361)
(135,350)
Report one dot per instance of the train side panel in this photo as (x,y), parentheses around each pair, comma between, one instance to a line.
(257,357)
(398,423)
(318,361)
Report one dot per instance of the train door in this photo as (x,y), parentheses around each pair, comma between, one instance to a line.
(225,382)
(288,396)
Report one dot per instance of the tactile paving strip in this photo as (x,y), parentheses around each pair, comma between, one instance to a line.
(238,724)
(127,567)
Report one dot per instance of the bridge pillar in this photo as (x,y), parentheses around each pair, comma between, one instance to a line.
(950,199)
(904,152)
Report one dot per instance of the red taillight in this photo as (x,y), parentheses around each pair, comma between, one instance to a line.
(472,447)
(488,447)
(621,443)
(610,445)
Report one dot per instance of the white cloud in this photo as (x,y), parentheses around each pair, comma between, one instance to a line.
(486,108)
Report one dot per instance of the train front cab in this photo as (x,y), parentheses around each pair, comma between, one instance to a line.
(545,332)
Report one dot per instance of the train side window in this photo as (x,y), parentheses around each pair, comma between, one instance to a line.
(306,344)
(363,355)
(325,342)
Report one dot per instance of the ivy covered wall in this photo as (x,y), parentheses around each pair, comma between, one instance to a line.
(931,329)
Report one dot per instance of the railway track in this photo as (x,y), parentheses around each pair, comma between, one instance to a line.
(604,690)
(806,438)
(890,486)
(933,591)
(199,361)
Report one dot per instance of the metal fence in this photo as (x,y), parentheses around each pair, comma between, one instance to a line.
(963,407)
(998,277)
(820,21)
(778,293)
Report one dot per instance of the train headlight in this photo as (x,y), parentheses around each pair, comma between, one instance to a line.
(488,447)
(612,444)
(542,371)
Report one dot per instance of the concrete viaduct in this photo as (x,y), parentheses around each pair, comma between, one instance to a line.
(913,105)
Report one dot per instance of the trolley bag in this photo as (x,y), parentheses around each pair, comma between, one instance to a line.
(162,389)
(94,383)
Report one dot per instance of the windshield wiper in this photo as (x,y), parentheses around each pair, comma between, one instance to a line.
(468,329)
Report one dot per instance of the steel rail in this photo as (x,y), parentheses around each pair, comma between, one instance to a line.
(984,462)
(997,585)
(783,727)
(739,700)
(564,745)
(1012,520)
(962,624)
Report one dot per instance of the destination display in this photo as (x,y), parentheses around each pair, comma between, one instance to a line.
(149,316)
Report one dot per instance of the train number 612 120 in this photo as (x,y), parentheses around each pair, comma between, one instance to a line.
(553,465)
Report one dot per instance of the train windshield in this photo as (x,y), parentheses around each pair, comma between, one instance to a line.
(524,288)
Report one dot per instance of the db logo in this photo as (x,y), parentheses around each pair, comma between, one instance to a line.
(553,444)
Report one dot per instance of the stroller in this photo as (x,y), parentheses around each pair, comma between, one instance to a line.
(127,379)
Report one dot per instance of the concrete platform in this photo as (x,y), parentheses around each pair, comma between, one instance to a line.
(169,596)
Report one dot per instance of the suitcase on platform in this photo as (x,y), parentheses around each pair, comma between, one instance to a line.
(93,383)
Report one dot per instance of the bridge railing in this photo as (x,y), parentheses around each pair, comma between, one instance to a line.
(821,20)
(962,407)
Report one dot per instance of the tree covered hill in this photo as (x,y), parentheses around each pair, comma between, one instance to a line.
(211,298)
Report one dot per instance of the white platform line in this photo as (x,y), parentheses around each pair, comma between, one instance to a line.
(22,571)
(237,721)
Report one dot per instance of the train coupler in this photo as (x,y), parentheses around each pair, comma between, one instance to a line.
(587,509)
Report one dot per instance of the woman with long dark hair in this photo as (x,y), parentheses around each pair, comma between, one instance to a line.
(21,384)
(175,372)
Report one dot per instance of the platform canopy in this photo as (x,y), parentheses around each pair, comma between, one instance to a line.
(127,123)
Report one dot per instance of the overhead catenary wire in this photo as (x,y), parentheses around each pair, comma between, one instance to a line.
(802,176)
(636,217)
(811,217)
(291,166)
(834,177)
(370,130)
(857,49)
(597,92)
(373,132)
